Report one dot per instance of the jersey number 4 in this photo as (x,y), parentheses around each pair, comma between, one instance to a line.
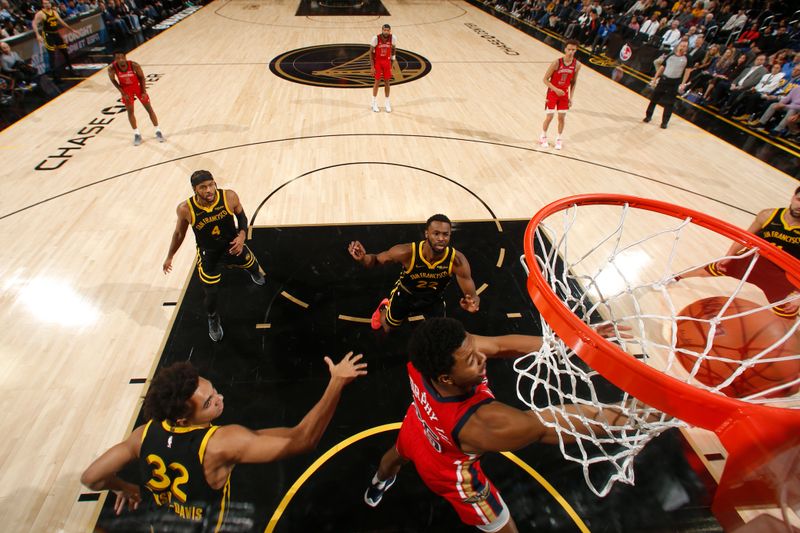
(215,231)
(161,482)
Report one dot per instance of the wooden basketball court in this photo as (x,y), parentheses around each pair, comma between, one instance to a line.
(87,216)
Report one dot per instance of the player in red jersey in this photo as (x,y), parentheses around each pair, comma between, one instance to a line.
(454,419)
(382,52)
(560,78)
(132,85)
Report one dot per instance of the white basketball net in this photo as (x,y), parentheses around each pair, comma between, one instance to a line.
(615,265)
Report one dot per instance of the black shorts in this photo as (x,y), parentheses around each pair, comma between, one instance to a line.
(53,40)
(403,304)
(211,262)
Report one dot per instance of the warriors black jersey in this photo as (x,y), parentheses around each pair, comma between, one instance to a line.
(51,22)
(171,460)
(425,278)
(776,231)
(215,226)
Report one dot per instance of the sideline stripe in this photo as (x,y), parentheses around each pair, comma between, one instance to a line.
(276,516)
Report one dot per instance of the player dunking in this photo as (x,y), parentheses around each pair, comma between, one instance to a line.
(560,79)
(187,461)
(52,40)
(428,267)
(382,53)
(213,215)
(454,418)
(779,226)
(131,85)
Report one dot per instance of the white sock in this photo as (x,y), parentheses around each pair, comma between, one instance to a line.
(376,480)
(544,134)
(374,100)
(158,129)
(387,102)
(136,131)
(558,137)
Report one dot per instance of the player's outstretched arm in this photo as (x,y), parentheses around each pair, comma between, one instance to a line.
(507,345)
(756,225)
(499,427)
(399,253)
(237,444)
(102,473)
(471,302)
(177,235)
(517,345)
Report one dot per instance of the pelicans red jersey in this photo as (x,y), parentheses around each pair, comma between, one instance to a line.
(561,78)
(129,82)
(429,438)
(383,48)
(382,55)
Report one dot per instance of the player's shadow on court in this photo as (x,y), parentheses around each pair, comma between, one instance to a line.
(457,128)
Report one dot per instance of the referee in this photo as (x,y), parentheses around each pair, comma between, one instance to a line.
(670,77)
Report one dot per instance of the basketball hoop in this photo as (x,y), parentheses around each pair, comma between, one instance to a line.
(613,261)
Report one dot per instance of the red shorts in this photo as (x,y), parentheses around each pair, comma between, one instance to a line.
(554,101)
(765,275)
(383,69)
(463,484)
(129,94)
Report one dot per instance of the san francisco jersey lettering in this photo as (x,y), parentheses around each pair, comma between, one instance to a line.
(778,233)
(215,226)
(426,278)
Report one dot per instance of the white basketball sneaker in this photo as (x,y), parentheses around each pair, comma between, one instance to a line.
(388,107)
(543,141)
(558,144)
(375,107)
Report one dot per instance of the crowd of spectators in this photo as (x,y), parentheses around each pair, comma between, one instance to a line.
(744,55)
(122,17)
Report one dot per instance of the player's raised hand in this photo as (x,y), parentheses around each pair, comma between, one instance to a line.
(348,368)
(357,251)
(470,303)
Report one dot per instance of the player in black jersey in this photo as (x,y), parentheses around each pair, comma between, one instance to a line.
(211,213)
(187,461)
(50,38)
(779,226)
(428,267)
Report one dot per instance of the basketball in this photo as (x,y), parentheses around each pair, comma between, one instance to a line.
(739,339)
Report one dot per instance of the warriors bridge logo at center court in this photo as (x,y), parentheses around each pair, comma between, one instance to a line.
(344,66)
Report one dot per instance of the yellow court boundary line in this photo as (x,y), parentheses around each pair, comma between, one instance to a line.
(287,498)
